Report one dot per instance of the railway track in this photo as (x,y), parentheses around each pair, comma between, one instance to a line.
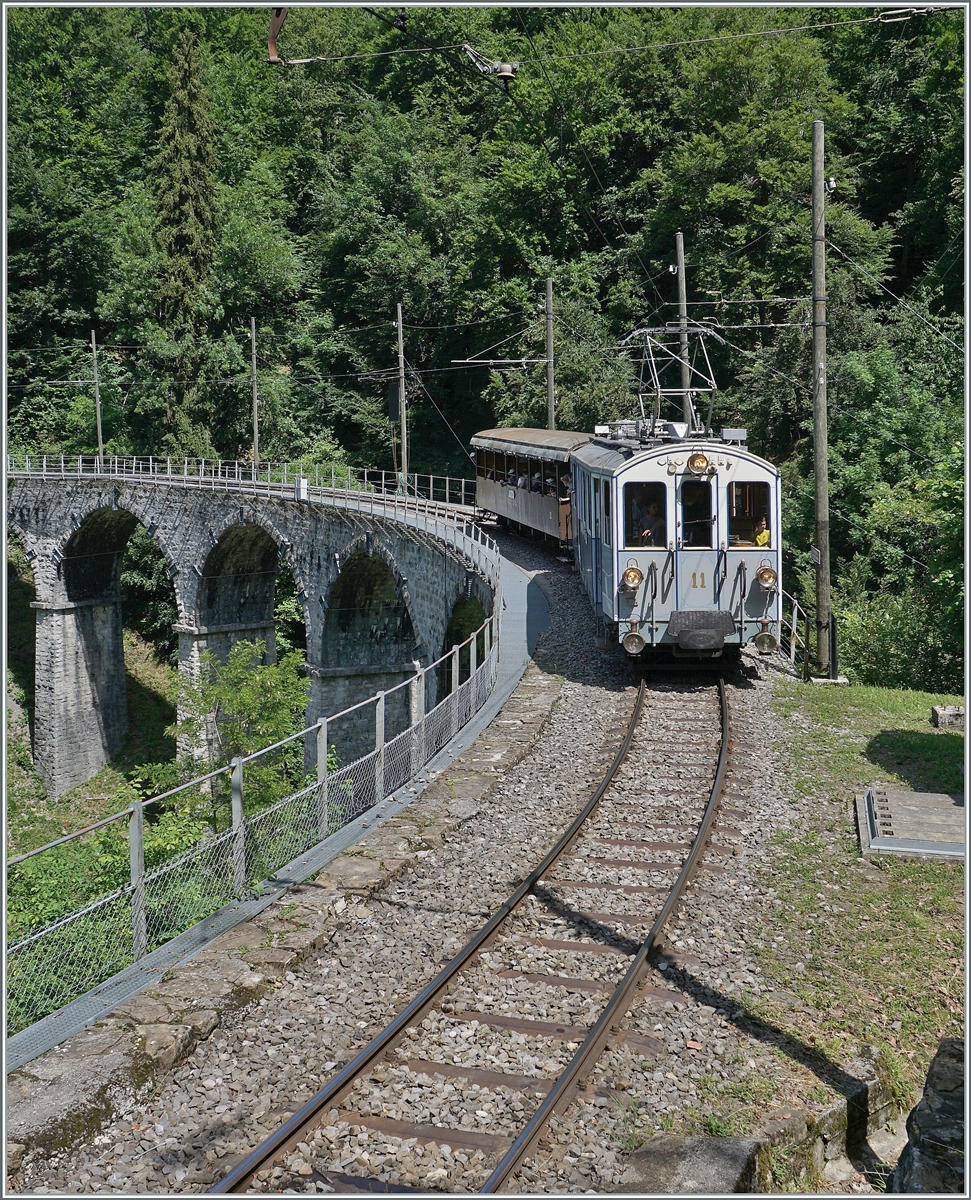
(567,956)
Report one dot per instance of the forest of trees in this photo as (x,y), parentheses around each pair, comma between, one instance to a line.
(166,185)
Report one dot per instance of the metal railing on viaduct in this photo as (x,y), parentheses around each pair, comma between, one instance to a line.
(97,900)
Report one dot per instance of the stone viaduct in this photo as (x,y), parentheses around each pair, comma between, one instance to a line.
(377,591)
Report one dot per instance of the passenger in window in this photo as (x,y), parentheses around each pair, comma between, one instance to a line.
(523,482)
(762,532)
(550,485)
(537,484)
(653,528)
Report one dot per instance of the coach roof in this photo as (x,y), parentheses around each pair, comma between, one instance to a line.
(555,444)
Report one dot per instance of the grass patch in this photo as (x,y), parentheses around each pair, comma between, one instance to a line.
(875,950)
(732,1108)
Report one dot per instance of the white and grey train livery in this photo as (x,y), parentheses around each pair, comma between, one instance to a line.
(676,535)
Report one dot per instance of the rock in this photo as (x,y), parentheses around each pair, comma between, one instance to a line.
(15,1156)
(933,1159)
(202,1022)
(166,1045)
(670,1165)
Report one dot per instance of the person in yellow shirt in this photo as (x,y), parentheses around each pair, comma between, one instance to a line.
(762,532)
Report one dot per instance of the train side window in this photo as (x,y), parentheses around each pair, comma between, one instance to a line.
(564,485)
(490,465)
(645,514)
(696,513)
(748,514)
(606,521)
(596,505)
(535,475)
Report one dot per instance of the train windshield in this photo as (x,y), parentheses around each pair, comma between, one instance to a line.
(748,514)
(696,513)
(645,514)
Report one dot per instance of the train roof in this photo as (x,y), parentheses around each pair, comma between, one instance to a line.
(555,444)
(598,455)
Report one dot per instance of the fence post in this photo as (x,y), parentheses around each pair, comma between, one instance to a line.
(805,652)
(455,690)
(323,817)
(379,747)
(136,854)
(239,830)
(417,698)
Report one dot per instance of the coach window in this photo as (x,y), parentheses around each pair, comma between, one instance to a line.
(748,514)
(645,515)
(606,525)
(696,513)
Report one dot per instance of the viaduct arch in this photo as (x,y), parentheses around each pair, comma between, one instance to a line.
(376,594)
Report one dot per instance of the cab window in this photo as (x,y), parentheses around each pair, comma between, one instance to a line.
(645,515)
(696,513)
(748,514)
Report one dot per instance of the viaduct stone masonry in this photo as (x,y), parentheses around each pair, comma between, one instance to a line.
(376,595)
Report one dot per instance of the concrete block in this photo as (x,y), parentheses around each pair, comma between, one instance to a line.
(143,1010)
(670,1165)
(948,716)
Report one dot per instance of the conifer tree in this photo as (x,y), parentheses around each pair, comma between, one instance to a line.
(187,217)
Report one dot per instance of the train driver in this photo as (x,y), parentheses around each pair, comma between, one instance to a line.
(653,528)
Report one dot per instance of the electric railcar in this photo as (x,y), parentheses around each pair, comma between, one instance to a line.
(676,533)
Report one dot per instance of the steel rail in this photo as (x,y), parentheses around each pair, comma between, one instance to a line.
(561,1094)
(289,1134)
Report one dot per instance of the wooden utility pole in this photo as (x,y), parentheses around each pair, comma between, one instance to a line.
(550,403)
(97,398)
(402,407)
(820,433)
(683,328)
(256,418)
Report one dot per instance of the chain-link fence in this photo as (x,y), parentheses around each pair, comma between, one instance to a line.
(260,813)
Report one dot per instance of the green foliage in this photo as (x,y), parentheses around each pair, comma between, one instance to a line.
(230,710)
(150,605)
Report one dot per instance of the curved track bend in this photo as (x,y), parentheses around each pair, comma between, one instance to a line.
(599,860)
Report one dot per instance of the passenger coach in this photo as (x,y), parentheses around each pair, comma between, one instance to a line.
(676,536)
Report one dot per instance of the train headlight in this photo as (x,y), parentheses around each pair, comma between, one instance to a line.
(765,642)
(633,577)
(767,577)
(633,643)
(698,463)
